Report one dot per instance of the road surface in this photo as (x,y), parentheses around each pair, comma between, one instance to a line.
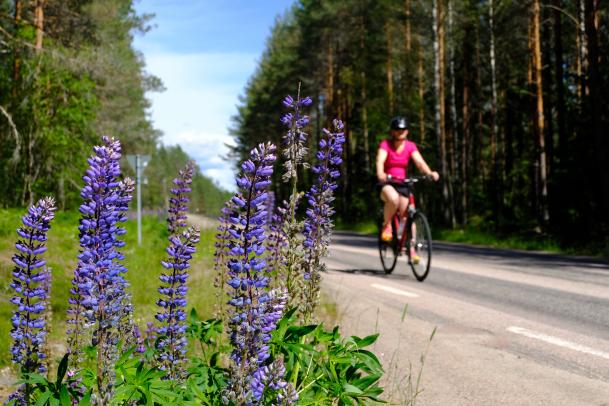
(513,328)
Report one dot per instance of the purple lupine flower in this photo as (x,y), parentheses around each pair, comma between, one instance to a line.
(31,281)
(221,256)
(178,202)
(255,312)
(172,343)
(295,138)
(98,286)
(150,335)
(318,222)
(276,245)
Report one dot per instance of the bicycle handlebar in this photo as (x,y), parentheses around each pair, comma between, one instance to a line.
(411,180)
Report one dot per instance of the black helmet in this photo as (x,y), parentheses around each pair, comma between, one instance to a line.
(399,123)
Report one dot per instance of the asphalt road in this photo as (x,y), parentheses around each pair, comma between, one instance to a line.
(512,327)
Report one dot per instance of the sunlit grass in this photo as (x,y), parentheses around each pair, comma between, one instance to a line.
(143,263)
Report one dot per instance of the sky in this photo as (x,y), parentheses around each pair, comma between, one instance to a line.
(204,51)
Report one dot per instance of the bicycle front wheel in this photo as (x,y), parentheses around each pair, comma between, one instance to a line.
(420,247)
(388,250)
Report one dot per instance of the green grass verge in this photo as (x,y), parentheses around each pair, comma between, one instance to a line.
(364,227)
(480,237)
(473,235)
(143,263)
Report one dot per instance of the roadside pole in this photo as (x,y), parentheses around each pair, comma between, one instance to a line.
(138,163)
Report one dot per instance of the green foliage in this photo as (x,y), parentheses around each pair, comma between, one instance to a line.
(366,61)
(206,197)
(326,368)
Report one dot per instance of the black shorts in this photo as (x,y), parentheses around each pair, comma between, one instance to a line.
(401,188)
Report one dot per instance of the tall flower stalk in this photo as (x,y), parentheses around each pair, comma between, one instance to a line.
(294,152)
(173,289)
(178,202)
(31,283)
(172,342)
(98,286)
(221,257)
(318,223)
(254,311)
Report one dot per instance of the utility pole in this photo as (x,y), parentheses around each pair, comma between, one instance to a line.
(138,163)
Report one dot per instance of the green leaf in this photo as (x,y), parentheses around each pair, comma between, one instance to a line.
(351,389)
(366,341)
(62,369)
(64,396)
(44,397)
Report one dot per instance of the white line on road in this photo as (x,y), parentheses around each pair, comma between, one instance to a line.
(557,341)
(394,290)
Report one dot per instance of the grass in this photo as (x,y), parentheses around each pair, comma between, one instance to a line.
(478,236)
(143,263)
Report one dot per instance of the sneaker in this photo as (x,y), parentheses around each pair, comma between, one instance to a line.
(387,234)
(414,258)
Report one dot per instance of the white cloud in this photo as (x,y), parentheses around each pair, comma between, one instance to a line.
(209,152)
(194,111)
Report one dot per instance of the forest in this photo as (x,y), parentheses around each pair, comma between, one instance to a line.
(507,99)
(68,75)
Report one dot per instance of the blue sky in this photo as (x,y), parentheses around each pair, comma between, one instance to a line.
(204,52)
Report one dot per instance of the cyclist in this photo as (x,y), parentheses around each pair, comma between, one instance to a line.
(392,161)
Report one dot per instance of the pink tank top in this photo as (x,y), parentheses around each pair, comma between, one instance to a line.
(397,164)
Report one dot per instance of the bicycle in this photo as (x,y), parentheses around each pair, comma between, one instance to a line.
(413,237)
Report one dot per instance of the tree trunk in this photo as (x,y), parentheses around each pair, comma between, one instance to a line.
(494,129)
(16,57)
(594,101)
(583,47)
(363,95)
(540,122)
(330,75)
(440,114)
(453,100)
(559,80)
(421,77)
(39,23)
(407,29)
(389,70)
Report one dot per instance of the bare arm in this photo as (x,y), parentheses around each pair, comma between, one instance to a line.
(422,165)
(381,156)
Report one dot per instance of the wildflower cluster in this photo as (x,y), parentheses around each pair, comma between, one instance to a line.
(99,286)
(318,223)
(31,281)
(266,258)
(254,313)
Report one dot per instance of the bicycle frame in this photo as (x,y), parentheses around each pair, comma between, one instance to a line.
(410,211)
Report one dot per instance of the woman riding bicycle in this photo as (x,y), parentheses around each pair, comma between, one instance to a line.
(392,160)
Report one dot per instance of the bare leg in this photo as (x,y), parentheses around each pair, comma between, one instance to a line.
(403,206)
(392,201)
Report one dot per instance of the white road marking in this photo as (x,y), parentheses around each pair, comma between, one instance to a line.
(557,341)
(394,290)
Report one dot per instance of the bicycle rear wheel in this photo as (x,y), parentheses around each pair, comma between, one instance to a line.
(420,246)
(388,250)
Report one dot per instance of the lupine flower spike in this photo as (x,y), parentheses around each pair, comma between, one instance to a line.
(172,343)
(221,256)
(295,138)
(294,153)
(98,287)
(255,312)
(178,202)
(31,281)
(318,222)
